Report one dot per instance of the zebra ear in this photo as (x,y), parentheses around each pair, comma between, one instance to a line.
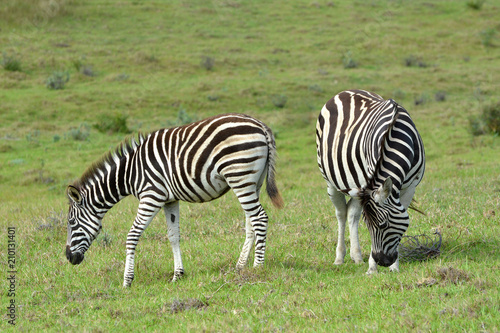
(73,194)
(382,193)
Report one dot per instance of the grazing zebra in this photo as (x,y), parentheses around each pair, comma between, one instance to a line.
(198,162)
(368,148)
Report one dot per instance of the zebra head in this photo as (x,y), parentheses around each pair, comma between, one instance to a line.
(387,221)
(83,226)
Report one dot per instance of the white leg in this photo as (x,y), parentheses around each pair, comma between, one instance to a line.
(172,215)
(145,215)
(247,246)
(372,265)
(338,200)
(353,214)
(394,267)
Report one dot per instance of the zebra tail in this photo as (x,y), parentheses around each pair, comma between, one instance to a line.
(271,187)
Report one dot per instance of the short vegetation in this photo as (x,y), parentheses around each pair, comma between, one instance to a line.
(78,77)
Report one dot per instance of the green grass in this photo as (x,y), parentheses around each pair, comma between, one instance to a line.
(278,61)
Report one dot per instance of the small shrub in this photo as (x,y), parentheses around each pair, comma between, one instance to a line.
(399,94)
(11,64)
(78,134)
(279,101)
(487,37)
(116,123)
(348,61)
(475,4)
(104,239)
(183,118)
(88,71)
(57,80)
(316,88)
(440,96)
(421,99)
(207,63)
(414,61)
(487,122)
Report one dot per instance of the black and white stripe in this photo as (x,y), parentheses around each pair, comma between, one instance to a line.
(198,162)
(369,149)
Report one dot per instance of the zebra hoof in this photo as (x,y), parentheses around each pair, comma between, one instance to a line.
(338,262)
(177,276)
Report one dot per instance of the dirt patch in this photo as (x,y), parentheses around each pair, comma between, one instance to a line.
(445,275)
(179,305)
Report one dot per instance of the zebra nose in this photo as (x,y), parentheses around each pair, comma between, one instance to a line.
(74,258)
(384,260)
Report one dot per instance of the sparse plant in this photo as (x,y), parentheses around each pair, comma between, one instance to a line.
(88,71)
(10,63)
(440,96)
(115,123)
(57,80)
(475,4)
(487,37)
(421,99)
(279,101)
(487,122)
(207,63)
(399,94)
(78,134)
(414,61)
(104,239)
(183,118)
(315,88)
(348,60)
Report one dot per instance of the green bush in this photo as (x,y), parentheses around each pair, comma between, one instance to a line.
(115,123)
(487,122)
(9,63)
(475,4)
(78,134)
(57,80)
(348,61)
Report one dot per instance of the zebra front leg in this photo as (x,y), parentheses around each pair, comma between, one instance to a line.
(145,215)
(247,246)
(395,267)
(338,200)
(372,265)
(354,213)
(172,214)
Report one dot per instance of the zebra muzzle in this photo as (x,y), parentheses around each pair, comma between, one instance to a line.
(384,260)
(74,258)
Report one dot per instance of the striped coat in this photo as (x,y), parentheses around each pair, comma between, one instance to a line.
(198,162)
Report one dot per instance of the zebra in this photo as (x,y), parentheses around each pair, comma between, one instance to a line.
(197,162)
(369,149)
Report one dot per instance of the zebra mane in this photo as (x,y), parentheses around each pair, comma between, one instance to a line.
(371,181)
(126,147)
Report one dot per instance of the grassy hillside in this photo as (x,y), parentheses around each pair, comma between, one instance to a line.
(138,66)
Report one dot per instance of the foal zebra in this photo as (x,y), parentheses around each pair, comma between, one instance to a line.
(368,148)
(198,162)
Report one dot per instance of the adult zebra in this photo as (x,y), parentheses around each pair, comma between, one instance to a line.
(369,148)
(198,162)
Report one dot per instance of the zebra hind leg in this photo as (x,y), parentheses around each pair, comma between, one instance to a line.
(247,246)
(171,211)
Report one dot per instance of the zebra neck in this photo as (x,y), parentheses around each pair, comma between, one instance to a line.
(108,184)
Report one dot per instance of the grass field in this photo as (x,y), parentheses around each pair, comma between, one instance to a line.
(133,66)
